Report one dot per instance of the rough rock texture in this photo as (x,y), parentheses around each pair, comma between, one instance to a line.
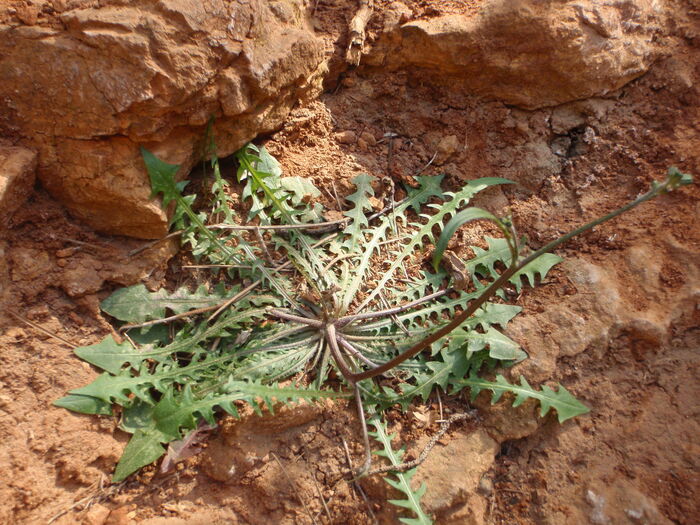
(452,473)
(17,174)
(86,87)
(621,502)
(530,53)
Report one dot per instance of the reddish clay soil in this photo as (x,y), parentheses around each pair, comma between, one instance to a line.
(618,324)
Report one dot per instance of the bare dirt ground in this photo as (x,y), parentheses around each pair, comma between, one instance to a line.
(618,324)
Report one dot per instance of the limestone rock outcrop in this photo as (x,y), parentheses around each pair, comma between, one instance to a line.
(529,53)
(86,85)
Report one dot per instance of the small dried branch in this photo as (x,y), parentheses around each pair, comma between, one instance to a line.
(42,330)
(426,450)
(358,35)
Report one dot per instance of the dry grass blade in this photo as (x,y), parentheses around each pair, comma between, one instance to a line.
(293,487)
(42,329)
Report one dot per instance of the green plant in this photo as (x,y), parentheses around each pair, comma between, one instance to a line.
(294,306)
(402,483)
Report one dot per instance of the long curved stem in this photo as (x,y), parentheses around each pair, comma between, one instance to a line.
(673,181)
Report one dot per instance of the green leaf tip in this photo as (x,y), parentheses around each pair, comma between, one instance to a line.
(162,177)
(84,405)
(143,449)
(108,354)
(461,218)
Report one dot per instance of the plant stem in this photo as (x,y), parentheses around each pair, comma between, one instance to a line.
(283,227)
(670,183)
(297,319)
(344,321)
(354,351)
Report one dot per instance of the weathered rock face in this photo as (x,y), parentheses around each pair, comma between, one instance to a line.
(86,87)
(530,53)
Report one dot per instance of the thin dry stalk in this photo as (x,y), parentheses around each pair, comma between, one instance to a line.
(291,484)
(355,484)
(42,329)
(320,496)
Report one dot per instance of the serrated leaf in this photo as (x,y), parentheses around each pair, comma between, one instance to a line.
(425,231)
(402,482)
(360,199)
(500,346)
(175,412)
(539,266)
(566,405)
(428,186)
(302,189)
(267,163)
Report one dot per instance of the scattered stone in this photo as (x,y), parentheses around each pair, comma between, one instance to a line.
(597,503)
(485,486)
(346,137)
(446,149)
(96,515)
(561,145)
(369,138)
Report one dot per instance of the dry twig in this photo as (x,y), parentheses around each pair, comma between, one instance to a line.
(358,35)
(42,330)
(426,450)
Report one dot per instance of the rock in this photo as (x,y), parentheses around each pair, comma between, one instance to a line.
(96,515)
(529,53)
(81,278)
(369,139)
(17,174)
(106,80)
(621,502)
(565,118)
(446,149)
(503,422)
(346,137)
(454,472)
(118,516)
(28,14)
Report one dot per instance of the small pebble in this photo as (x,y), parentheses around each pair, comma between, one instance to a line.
(368,138)
(346,137)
